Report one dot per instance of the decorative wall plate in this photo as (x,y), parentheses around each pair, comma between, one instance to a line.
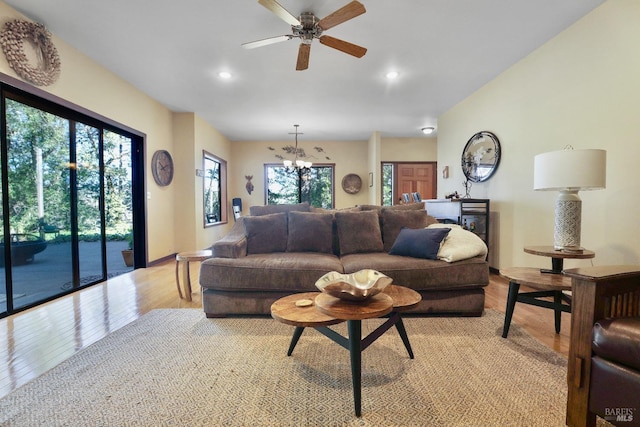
(351,183)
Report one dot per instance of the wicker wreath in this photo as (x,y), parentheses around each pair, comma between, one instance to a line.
(12,40)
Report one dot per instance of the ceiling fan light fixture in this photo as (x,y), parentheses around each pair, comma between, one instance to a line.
(428,130)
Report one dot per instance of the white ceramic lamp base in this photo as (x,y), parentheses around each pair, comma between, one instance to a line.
(567,229)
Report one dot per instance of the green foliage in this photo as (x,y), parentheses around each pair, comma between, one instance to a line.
(39,150)
(287,187)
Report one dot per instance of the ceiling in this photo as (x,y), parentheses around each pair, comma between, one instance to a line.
(444,50)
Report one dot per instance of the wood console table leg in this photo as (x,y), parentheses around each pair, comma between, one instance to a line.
(512,297)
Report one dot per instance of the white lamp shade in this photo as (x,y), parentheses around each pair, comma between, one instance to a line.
(570,170)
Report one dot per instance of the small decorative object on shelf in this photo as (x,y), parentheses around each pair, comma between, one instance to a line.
(356,286)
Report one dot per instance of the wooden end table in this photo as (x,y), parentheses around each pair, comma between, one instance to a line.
(327,310)
(557,256)
(548,285)
(186,258)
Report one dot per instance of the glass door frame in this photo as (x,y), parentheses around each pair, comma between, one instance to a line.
(34,97)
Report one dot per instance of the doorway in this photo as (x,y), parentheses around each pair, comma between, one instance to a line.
(408,178)
(68,193)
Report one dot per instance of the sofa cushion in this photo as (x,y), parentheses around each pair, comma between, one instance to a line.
(310,232)
(271,209)
(420,273)
(420,243)
(359,232)
(266,233)
(292,272)
(394,220)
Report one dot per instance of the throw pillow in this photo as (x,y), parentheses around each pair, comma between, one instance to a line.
(271,209)
(359,232)
(310,232)
(394,220)
(266,233)
(420,243)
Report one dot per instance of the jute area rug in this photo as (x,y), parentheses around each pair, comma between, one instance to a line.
(175,367)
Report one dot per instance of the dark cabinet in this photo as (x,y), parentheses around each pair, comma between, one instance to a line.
(472,214)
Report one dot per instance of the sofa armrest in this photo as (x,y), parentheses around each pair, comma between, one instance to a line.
(233,245)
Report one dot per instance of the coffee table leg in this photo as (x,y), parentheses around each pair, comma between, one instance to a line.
(294,339)
(557,301)
(511,304)
(403,334)
(355,337)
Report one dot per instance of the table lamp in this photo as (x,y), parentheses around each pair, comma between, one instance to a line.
(569,171)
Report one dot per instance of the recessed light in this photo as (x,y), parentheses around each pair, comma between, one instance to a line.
(392,75)
(428,130)
(224,75)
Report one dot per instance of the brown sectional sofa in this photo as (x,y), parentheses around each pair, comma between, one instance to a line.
(283,249)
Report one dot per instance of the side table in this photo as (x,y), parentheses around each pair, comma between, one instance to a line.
(557,256)
(548,285)
(186,258)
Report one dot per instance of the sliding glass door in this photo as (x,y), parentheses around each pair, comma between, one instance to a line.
(67,201)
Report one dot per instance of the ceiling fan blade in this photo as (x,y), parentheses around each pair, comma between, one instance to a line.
(350,11)
(265,42)
(280,11)
(303,56)
(343,46)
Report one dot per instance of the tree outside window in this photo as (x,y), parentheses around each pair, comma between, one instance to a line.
(313,185)
(214,187)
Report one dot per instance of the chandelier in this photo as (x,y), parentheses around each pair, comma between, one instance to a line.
(297,163)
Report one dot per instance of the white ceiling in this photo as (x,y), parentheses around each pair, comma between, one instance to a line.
(172,50)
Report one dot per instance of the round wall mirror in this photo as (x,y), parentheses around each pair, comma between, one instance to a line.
(481,156)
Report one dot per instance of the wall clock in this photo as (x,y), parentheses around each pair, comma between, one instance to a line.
(481,156)
(162,167)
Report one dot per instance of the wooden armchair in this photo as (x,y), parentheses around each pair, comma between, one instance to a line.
(599,293)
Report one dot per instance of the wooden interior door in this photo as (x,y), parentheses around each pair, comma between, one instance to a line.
(412,177)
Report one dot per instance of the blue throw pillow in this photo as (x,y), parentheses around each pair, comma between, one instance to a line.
(419,243)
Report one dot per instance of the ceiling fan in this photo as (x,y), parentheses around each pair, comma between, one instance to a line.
(308,27)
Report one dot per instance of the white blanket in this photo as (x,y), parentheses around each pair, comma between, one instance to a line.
(459,244)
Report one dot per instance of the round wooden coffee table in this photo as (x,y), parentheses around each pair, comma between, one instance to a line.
(325,310)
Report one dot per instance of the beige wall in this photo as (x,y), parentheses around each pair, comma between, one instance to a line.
(581,88)
(348,157)
(409,149)
(88,85)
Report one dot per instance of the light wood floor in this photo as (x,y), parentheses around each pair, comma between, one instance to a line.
(36,340)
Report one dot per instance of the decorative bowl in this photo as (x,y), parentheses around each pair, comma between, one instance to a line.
(356,286)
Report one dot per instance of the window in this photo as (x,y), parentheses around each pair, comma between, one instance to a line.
(215,189)
(314,185)
(387,184)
